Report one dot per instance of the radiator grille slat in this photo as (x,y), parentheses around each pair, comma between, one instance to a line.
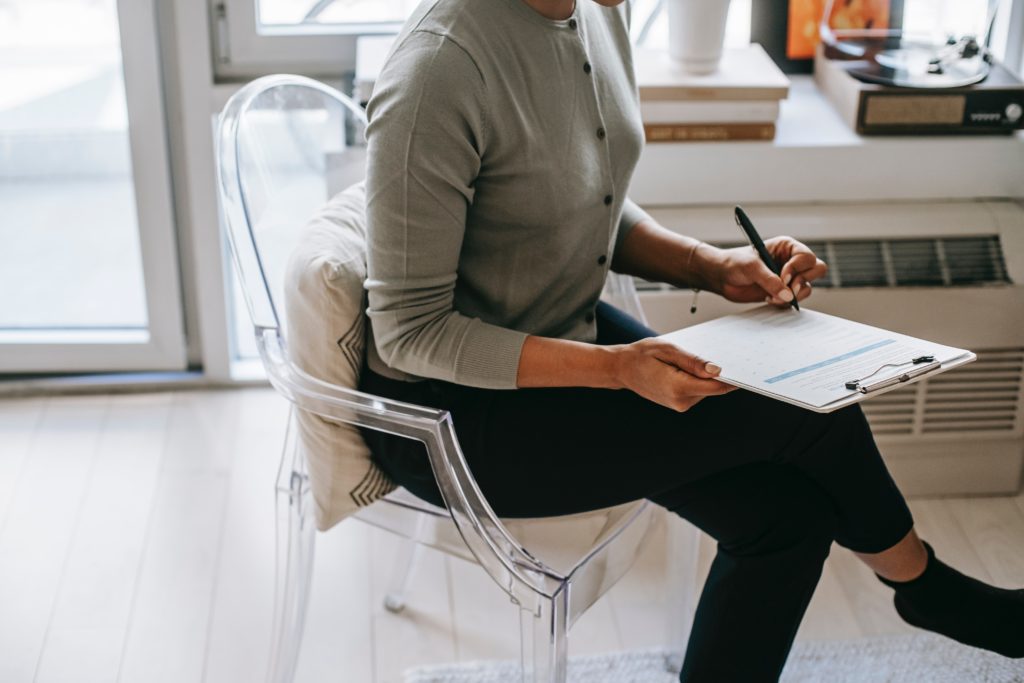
(981,398)
(928,262)
(892,413)
(977,398)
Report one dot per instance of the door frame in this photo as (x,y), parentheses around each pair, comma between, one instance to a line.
(161,345)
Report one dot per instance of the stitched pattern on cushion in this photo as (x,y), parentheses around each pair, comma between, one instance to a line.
(353,341)
(374,485)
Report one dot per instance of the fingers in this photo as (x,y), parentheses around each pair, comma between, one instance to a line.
(695,386)
(807,265)
(688,390)
(771,283)
(801,267)
(686,361)
(801,288)
(799,260)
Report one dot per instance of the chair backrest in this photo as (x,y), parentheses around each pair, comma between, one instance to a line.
(286,144)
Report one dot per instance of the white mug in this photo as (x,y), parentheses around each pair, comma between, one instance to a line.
(696,32)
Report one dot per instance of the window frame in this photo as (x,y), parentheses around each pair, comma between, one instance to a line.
(242,48)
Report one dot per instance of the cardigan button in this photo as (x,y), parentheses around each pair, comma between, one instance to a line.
(586,67)
(600,133)
(607,200)
(602,259)
(589,317)
(572,24)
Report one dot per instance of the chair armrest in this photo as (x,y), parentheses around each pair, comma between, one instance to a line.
(498,552)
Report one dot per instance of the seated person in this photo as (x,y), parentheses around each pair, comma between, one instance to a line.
(502,138)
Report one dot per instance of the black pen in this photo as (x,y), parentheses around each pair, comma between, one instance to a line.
(762,251)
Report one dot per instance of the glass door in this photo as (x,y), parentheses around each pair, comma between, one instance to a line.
(88,259)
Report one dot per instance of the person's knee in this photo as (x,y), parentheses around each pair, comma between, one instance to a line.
(833,442)
(799,515)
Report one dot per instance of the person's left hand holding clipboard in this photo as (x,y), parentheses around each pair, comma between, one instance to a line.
(744,278)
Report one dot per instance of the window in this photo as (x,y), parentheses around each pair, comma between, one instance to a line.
(280,14)
(83,168)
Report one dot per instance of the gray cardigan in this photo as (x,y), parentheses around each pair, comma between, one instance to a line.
(501,146)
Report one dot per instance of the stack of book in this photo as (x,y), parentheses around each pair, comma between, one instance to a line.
(740,101)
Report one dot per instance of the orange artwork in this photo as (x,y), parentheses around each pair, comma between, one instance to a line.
(805,15)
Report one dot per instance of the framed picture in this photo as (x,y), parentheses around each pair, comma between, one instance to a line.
(788,29)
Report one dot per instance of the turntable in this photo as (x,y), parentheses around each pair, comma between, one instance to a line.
(887,81)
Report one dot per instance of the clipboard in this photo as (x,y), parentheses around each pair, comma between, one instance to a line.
(857,397)
(808,358)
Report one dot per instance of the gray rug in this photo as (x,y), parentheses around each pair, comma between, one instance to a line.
(897,659)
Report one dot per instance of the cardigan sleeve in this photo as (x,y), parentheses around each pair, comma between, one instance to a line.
(631,215)
(426,137)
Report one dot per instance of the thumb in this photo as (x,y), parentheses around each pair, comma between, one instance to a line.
(771,283)
(688,362)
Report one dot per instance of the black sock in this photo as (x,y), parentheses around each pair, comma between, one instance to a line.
(945,601)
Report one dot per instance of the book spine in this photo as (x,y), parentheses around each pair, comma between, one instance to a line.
(709,112)
(681,93)
(708,132)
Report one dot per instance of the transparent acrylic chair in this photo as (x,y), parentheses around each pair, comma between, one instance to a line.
(285,144)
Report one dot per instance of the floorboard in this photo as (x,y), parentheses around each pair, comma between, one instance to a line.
(486,620)
(339,640)
(242,609)
(995,526)
(19,420)
(89,623)
(422,633)
(937,524)
(41,522)
(170,618)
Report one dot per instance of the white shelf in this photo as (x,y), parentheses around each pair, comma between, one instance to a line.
(817,158)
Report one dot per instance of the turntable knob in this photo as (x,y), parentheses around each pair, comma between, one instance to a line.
(1013,112)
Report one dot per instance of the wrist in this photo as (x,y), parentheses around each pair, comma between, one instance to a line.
(707,268)
(612,365)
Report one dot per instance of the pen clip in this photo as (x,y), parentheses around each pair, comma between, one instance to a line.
(901,378)
(855,384)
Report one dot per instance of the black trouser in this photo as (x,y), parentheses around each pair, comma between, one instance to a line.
(772,483)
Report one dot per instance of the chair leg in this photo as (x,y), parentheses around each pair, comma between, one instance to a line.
(405,567)
(295,545)
(544,640)
(683,545)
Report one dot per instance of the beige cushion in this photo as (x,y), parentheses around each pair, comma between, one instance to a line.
(325,331)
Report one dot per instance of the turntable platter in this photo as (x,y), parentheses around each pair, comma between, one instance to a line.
(889,58)
(917,67)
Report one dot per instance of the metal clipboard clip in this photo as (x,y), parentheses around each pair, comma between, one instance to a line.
(927,363)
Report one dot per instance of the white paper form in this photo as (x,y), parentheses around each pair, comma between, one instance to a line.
(806,357)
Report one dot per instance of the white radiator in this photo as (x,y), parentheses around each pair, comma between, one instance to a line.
(952,272)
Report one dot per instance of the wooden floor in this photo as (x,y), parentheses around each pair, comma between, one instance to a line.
(136,545)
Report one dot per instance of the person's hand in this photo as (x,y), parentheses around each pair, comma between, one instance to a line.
(664,373)
(744,278)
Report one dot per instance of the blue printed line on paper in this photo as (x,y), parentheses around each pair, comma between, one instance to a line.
(830,361)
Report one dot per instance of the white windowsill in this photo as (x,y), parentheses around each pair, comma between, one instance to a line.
(816,157)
